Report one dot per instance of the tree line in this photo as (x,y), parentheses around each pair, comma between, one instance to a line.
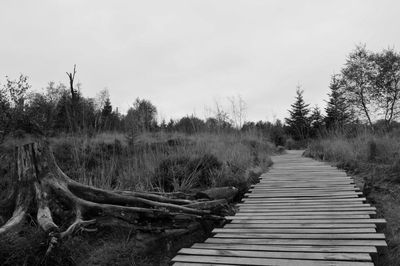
(61,108)
(365,92)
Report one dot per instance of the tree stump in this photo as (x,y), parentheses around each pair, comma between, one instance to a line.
(42,186)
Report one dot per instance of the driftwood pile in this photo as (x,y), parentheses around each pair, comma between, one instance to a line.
(43,191)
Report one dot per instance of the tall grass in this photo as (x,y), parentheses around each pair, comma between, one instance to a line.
(365,150)
(375,158)
(109,161)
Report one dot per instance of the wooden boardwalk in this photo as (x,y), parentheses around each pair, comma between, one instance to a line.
(302,212)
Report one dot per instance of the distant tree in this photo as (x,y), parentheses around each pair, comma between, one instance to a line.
(359,74)
(298,124)
(73,106)
(62,119)
(18,90)
(277,133)
(4,112)
(141,117)
(337,110)
(190,125)
(238,111)
(248,126)
(386,85)
(41,110)
(316,122)
(170,125)
(106,115)
(163,124)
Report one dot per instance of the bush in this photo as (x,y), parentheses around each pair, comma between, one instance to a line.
(178,172)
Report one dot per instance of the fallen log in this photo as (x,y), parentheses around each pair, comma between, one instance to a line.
(42,188)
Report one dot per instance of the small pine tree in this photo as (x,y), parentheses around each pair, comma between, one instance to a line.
(337,113)
(107,108)
(316,122)
(106,113)
(298,124)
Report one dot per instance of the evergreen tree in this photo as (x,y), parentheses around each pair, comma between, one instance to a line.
(106,114)
(316,121)
(107,108)
(298,124)
(337,113)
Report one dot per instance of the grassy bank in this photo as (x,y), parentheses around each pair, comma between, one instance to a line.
(374,159)
(149,162)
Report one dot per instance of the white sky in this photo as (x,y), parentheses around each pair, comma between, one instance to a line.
(185,55)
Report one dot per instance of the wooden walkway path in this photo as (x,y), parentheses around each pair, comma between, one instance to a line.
(302,212)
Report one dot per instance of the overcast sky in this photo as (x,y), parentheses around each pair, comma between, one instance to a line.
(185,55)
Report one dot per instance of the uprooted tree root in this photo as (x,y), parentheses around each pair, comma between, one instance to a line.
(44,191)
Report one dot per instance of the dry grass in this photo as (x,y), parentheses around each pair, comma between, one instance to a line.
(109,161)
(374,158)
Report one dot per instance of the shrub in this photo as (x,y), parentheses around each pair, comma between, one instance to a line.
(176,172)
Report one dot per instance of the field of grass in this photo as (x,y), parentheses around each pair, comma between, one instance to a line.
(374,159)
(150,162)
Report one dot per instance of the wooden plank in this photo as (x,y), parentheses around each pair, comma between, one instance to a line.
(293,230)
(303,212)
(299,225)
(294,189)
(276,254)
(301,205)
(292,248)
(303,236)
(295,203)
(299,217)
(261,261)
(261,200)
(312,207)
(301,242)
(262,194)
(271,220)
(254,196)
(305,186)
(307,209)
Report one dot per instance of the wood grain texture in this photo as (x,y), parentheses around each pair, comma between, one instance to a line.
(302,212)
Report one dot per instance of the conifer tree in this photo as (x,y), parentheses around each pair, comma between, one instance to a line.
(337,113)
(298,124)
(316,122)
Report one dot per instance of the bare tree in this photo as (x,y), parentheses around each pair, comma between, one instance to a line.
(359,74)
(74,100)
(238,108)
(386,89)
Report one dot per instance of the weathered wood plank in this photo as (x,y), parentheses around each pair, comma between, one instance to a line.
(298,217)
(303,209)
(311,207)
(288,248)
(334,220)
(303,236)
(302,200)
(298,225)
(320,199)
(314,242)
(276,254)
(302,212)
(293,230)
(261,261)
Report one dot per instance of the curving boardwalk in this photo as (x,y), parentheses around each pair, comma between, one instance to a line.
(302,212)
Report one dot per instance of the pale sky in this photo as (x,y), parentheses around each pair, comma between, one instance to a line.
(185,55)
